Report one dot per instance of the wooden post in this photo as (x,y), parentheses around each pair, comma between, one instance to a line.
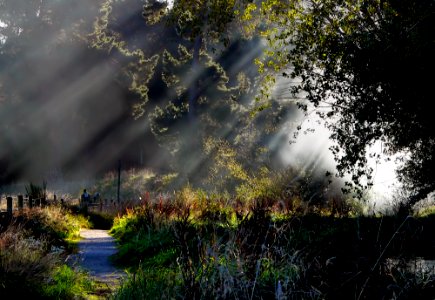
(38,202)
(43,201)
(9,205)
(119,179)
(30,203)
(20,202)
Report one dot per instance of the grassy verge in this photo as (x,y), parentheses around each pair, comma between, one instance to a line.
(33,247)
(199,246)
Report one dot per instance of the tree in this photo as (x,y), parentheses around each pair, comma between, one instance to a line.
(197,24)
(198,21)
(185,92)
(60,106)
(363,64)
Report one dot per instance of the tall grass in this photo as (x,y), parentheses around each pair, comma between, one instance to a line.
(195,245)
(53,222)
(33,246)
(25,262)
(66,283)
(32,268)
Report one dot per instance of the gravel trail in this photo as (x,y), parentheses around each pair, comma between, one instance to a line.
(94,251)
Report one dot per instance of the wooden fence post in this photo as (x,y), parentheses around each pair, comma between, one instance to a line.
(30,203)
(38,202)
(9,205)
(20,202)
(119,179)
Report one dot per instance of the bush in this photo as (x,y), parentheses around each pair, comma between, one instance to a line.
(25,263)
(190,247)
(55,223)
(32,245)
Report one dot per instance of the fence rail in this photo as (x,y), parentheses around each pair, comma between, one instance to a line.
(9,204)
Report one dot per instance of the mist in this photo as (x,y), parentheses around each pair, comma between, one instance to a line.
(66,108)
(63,109)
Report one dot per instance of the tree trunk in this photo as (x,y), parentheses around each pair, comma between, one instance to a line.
(194,87)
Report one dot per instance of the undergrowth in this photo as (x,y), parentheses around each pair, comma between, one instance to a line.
(194,245)
(33,247)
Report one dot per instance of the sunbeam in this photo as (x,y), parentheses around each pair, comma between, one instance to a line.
(69,106)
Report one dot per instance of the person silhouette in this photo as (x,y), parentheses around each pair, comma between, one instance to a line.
(85,198)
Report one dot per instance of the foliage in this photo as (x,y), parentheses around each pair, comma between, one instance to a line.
(67,283)
(31,267)
(206,18)
(51,77)
(141,68)
(426,211)
(258,256)
(295,189)
(98,220)
(36,191)
(24,262)
(194,90)
(152,283)
(134,183)
(363,66)
(55,223)
(182,238)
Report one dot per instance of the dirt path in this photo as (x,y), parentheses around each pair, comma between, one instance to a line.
(94,251)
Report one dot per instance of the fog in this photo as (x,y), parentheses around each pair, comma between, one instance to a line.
(63,109)
(66,112)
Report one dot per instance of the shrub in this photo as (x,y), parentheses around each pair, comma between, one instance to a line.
(25,263)
(31,249)
(53,222)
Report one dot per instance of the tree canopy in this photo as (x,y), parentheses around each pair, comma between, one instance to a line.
(364,65)
(193,89)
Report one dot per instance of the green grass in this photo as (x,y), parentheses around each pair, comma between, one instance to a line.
(191,248)
(265,241)
(33,246)
(53,222)
(150,283)
(67,283)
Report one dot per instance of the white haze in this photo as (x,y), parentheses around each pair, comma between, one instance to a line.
(46,130)
(67,96)
(169,2)
(311,149)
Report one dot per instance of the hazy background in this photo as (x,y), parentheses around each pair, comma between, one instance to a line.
(66,107)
